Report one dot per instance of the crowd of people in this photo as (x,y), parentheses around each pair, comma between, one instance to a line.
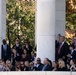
(23,58)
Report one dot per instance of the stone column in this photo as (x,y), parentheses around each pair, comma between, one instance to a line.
(60,17)
(45,29)
(2,22)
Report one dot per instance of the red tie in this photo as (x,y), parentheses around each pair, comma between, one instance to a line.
(59,49)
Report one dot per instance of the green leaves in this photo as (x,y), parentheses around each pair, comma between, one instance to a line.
(70,19)
(20,20)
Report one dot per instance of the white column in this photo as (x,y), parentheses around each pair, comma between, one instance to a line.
(2,22)
(45,29)
(60,17)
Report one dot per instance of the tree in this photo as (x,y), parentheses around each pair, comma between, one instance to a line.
(20,20)
(70,19)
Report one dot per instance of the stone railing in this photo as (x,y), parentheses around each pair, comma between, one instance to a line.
(37,73)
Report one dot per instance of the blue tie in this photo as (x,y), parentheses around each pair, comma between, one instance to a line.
(44,67)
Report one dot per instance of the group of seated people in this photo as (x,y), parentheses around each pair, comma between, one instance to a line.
(23,58)
(47,65)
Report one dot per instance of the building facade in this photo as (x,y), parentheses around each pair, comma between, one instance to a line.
(50,21)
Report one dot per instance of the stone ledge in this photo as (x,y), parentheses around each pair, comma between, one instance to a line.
(37,73)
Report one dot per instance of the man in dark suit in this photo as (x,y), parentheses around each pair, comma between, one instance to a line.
(72,53)
(47,66)
(57,43)
(28,47)
(18,47)
(63,49)
(5,51)
(39,65)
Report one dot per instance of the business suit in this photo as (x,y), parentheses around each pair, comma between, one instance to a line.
(64,50)
(74,55)
(40,66)
(19,49)
(56,48)
(57,44)
(14,59)
(73,44)
(47,68)
(5,54)
(29,49)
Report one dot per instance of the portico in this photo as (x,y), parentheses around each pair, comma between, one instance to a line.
(50,21)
